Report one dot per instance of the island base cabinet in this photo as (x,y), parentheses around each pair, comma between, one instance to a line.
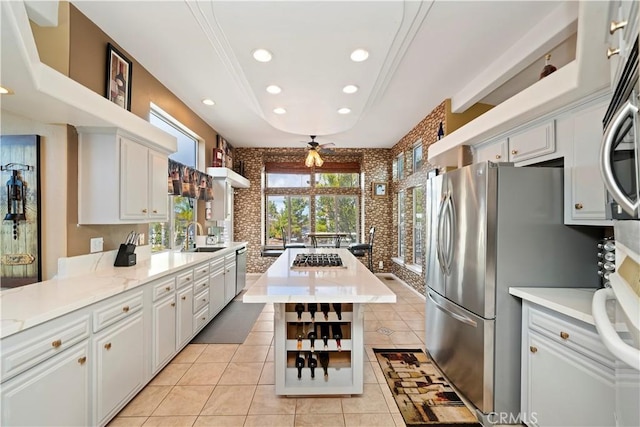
(119,364)
(55,392)
(566,381)
(295,357)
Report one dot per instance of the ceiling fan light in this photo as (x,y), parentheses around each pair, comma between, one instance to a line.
(309,160)
(319,161)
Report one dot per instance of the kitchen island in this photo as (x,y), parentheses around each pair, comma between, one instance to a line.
(318,321)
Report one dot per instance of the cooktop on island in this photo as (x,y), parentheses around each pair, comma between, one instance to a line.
(317,260)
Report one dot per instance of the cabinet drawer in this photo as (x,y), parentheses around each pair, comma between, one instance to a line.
(200,300)
(184,279)
(42,343)
(164,288)
(216,265)
(200,271)
(200,319)
(579,337)
(117,310)
(533,142)
(201,285)
(230,258)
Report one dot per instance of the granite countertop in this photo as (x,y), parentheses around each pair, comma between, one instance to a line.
(89,279)
(355,283)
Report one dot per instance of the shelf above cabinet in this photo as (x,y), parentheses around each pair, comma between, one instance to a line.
(236,180)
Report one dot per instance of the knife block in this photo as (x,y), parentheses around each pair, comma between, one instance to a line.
(126,256)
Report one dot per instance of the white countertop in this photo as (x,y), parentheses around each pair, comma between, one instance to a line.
(355,283)
(572,302)
(30,305)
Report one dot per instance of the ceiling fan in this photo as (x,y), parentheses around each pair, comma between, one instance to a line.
(313,156)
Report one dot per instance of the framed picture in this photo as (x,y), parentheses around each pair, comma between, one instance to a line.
(379,189)
(118,78)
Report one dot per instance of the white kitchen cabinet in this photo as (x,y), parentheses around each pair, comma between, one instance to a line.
(222,206)
(164,332)
(119,366)
(568,377)
(623,19)
(217,299)
(523,145)
(54,392)
(585,194)
(229,277)
(184,317)
(120,179)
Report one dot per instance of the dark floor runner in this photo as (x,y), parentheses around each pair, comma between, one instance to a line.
(231,325)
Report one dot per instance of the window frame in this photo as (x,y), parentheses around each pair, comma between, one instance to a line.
(401,224)
(417,163)
(418,235)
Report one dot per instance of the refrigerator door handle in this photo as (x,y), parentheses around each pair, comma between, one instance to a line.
(459,317)
(606,150)
(451,215)
(441,263)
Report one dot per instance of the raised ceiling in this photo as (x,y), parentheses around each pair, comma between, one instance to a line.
(420,54)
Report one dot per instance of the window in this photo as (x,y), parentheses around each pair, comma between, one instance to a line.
(418,225)
(172,234)
(290,213)
(400,165)
(301,200)
(337,214)
(417,156)
(401,250)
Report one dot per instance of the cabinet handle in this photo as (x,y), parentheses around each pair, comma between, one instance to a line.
(82,360)
(155,211)
(533,349)
(56,343)
(564,335)
(187,278)
(125,308)
(616,25)
(204,318)
(184,297)
(204,300)
(204,285)
(173,304)
(168,288)
(144,211)
(498,156)
(108,346)
(514,152)
(612,51)
(578,206)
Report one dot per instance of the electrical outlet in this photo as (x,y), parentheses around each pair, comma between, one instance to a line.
(381,265)
(97,244)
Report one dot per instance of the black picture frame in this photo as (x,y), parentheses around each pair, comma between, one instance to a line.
(118,81)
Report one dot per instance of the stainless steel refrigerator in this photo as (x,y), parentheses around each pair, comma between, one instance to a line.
(491,227)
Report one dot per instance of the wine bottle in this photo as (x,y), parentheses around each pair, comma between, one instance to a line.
(324,307)
(312,362)
(299,364)
(299,309)
(299,336)
(338,309)
(324,333)
(336,330)
(324,362)
(312,337)
(313,307)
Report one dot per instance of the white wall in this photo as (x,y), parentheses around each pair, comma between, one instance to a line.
(53,185)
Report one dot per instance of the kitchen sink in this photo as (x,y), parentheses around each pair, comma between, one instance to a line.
(206,249)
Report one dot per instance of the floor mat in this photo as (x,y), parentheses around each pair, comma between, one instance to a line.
(231,325)
(423,396)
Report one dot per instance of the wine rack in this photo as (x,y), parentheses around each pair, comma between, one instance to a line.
(341,325)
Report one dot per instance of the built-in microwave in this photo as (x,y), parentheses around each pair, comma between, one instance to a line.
(620,150)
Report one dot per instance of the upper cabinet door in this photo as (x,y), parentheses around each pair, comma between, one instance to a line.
(134,180)
(158,195)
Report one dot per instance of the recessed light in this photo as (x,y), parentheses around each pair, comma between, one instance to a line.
(208,101)
(359,55)
(273,89)
(344,110)
(4,90)
(279,110)
(350,89)
(262,55)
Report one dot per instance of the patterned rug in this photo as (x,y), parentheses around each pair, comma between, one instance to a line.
(423,396)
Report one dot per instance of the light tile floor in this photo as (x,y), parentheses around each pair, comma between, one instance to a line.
(233,384)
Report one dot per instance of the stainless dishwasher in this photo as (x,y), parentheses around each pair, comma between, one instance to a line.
(241,269)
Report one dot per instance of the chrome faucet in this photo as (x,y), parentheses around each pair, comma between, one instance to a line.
(198,228)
